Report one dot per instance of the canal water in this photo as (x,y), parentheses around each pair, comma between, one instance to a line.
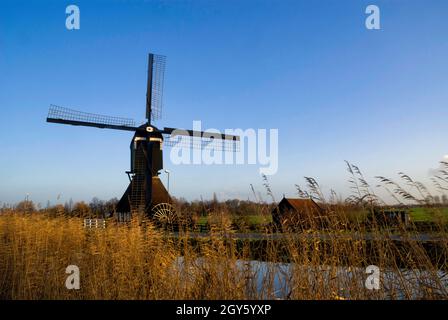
(274,280)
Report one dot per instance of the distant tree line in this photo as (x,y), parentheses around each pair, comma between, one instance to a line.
(441,200)
(95,209)
(236,207)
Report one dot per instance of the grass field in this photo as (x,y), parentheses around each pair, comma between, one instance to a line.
(429,214)
(250,221)
(417,214)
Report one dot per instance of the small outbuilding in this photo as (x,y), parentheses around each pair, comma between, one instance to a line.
(390,217)
(293,213)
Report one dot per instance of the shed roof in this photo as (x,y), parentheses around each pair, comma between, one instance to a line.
(300,204)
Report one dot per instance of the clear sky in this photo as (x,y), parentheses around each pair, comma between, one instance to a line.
(334,90)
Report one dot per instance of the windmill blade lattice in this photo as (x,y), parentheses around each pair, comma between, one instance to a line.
(159,64)
(201,142)
(70,116)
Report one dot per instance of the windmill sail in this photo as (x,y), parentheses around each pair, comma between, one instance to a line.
(63,115)
(201,140)
(154,91)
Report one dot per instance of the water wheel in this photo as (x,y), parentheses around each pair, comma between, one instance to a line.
(164,213)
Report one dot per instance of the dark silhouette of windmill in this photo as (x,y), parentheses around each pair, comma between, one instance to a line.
(146,195)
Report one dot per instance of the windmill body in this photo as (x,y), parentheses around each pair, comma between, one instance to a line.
(145,191)
(146,163)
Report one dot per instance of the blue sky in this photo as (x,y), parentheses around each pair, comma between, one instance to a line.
(335,90)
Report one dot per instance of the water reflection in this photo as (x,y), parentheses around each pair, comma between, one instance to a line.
(273,280)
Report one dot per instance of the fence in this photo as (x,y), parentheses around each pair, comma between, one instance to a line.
(94,223)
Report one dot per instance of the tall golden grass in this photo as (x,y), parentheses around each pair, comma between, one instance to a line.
(141,262)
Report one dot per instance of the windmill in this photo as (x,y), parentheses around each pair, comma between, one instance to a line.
(146,196)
